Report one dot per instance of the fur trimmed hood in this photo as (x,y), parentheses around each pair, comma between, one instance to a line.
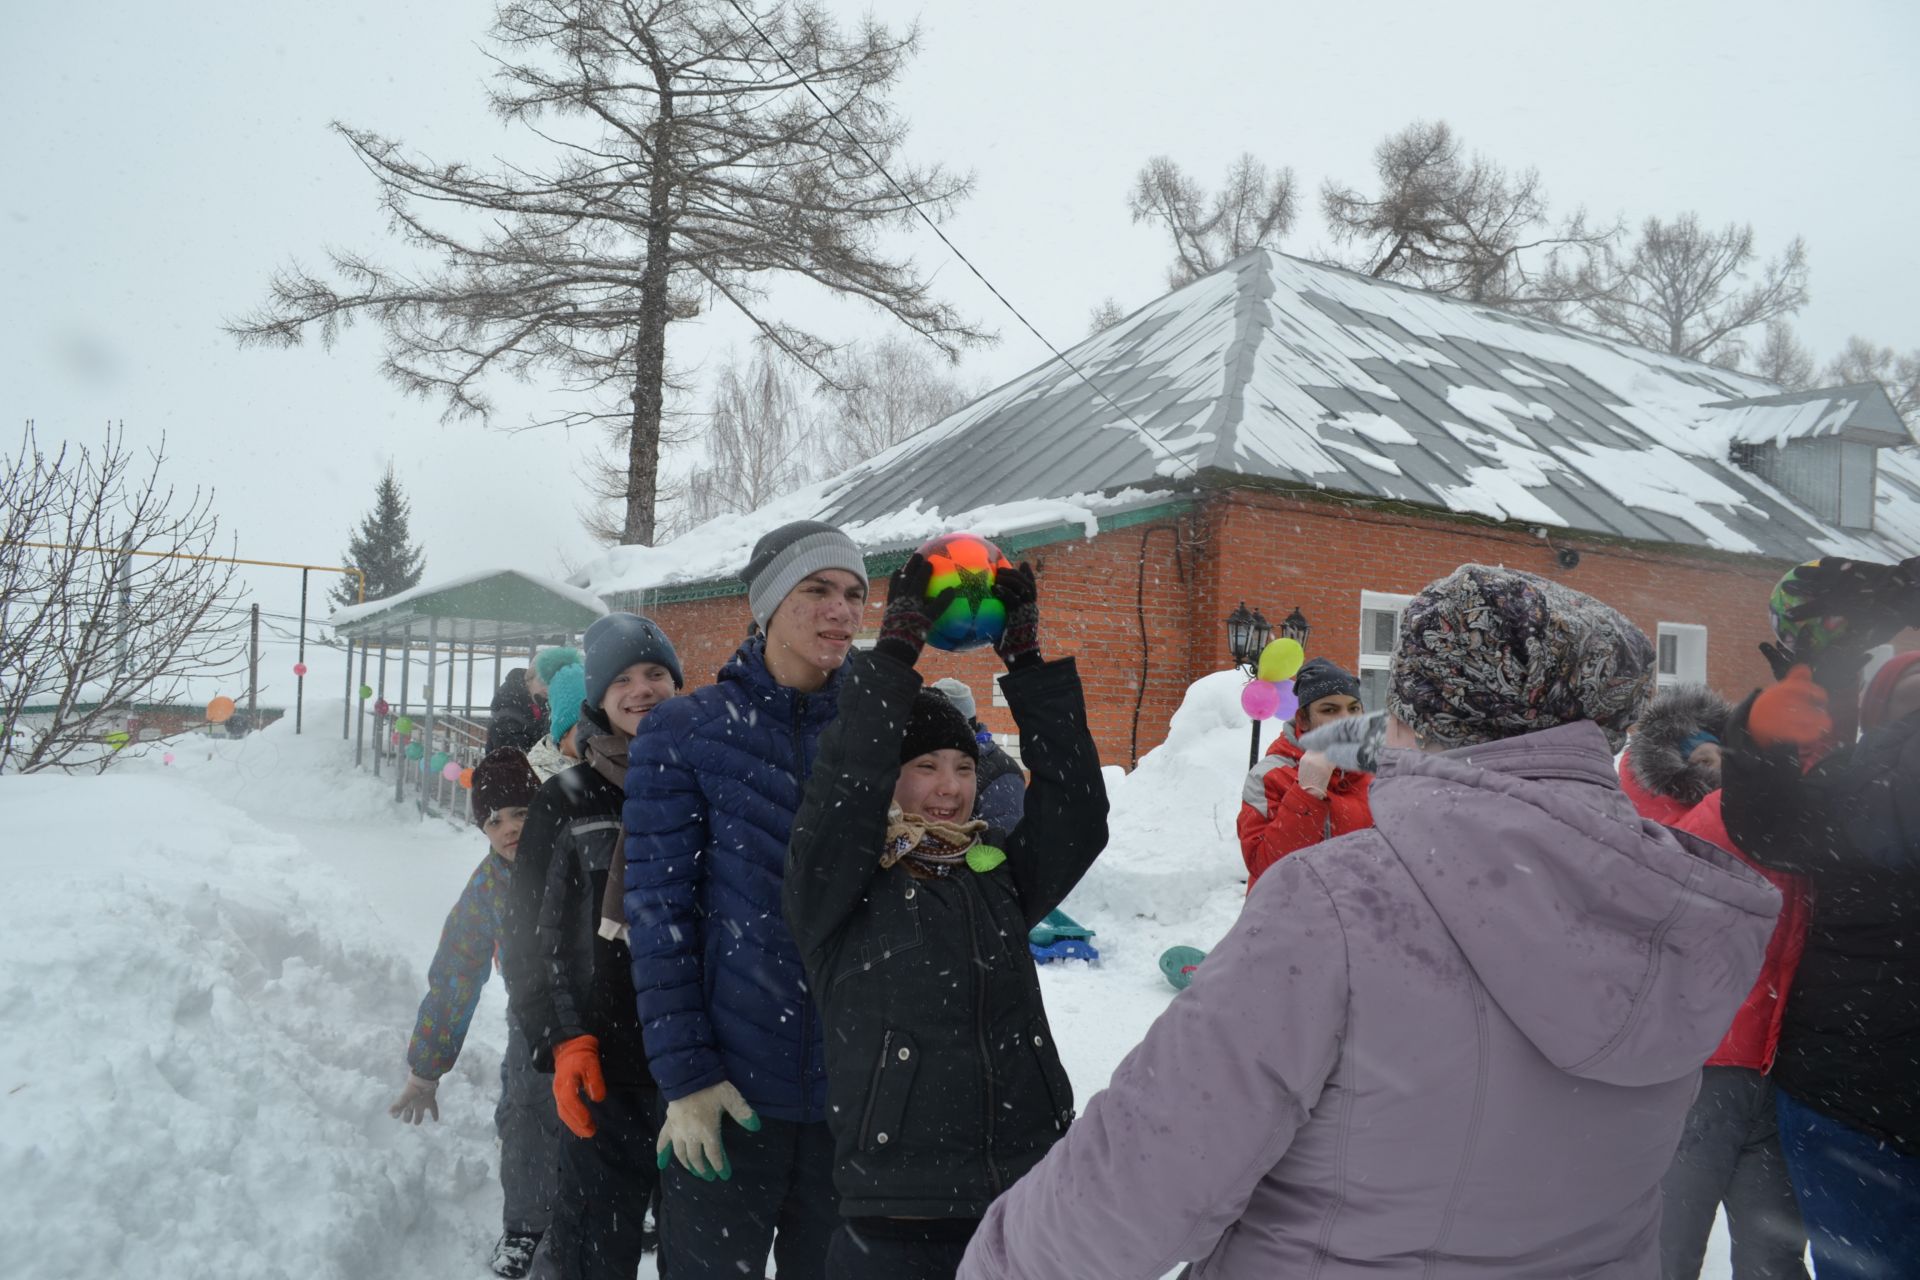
(1656,755)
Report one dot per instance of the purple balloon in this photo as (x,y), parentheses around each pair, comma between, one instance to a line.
(1260,699)
(1289,704)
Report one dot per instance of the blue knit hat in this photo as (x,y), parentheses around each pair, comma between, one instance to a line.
(548,661)
(565,692)
(619,640)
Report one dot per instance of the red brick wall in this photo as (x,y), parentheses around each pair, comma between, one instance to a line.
(1277,553)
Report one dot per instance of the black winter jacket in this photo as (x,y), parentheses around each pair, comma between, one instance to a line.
(518,718)
(943,1082)
(570,980)
(1851,1034)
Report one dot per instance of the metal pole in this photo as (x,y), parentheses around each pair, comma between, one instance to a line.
(497,677)
(447,702)
(300,677)
(380,722)
(428,781)
(472,629)
(346,708)
(400,757)
(253,670)
(360,721)
(1253,750)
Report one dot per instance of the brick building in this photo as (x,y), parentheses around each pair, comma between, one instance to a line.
(1294,436)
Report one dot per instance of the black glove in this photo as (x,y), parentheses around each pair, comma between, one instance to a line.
(910,615)
(1780,659)
(1019,595)
(1877,600)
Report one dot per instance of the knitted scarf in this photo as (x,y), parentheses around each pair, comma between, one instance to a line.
(935,848)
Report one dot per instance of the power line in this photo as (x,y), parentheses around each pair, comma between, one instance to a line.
(952,247)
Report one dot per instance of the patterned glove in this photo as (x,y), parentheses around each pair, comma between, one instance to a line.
(910,615)
(1019,594)
(691,1130)
(1353,743)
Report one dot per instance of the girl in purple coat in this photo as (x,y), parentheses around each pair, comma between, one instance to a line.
(1462,1043)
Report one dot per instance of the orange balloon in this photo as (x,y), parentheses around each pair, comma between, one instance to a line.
(466,779)
(220,710)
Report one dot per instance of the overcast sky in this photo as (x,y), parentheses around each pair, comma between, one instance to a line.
(159,161)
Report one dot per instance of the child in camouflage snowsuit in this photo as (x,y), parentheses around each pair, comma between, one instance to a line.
(525,1119)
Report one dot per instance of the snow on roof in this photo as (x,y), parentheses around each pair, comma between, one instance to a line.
(373,608)
(1291,371)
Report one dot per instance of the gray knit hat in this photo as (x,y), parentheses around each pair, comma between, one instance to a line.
(784,558)
(957,693)
(1491,653)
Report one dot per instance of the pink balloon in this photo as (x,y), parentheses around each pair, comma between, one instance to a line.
(452,771)
(1289,705)
(299,668)
(167,758)
(1260,699)
(398,737)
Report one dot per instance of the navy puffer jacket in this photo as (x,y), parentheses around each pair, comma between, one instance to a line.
(713,781)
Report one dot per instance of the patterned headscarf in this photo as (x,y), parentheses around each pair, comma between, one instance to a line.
(1491,653)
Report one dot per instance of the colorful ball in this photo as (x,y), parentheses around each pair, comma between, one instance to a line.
(968,565)
(1260,699)
(466,779)
(366,691)
(119,738)
(403,725)
(381,707)
(1808,637)
(440,759)
(415,751)
(300,668)
(451,771)
(220,710)
(1282,659)
(167,758)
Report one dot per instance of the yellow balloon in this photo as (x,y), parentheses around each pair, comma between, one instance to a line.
(1281,659)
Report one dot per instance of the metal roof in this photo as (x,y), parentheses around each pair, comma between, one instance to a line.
(1290,371)
(494,607)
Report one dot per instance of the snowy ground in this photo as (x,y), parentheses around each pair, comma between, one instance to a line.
(211,967)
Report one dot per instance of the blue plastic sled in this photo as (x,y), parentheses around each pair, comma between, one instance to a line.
(1061,937)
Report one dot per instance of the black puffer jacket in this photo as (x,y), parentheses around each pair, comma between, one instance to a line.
(518,718)
(1851,1034)
(571,981)
(943,1082)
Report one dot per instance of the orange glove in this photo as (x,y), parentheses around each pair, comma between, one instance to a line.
(1793,711)
(576,1067)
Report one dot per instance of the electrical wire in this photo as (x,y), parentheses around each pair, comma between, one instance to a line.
(954,248)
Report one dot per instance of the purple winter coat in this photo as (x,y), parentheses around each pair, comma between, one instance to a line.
(1460,1044)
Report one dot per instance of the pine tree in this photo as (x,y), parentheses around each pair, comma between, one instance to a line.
(383,548)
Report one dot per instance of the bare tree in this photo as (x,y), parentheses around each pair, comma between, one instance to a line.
(699,149)
(1780,358)
(100,607)
(1104,316)
(888,390)
(1691,291)
(759,426)
(1252,209)
(1861,361)
(1459,225)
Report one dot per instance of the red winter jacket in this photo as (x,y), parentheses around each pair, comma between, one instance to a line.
(1277,817)
(1755,1034)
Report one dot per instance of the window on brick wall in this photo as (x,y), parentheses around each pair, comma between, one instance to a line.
(1379,636)
(1010,743)
(1682,653)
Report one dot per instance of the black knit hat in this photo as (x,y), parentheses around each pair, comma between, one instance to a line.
(504,780)
(934,725)
(1319,679)
(619,640)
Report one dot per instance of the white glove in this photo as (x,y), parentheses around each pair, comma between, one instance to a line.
(691,1130)
(416,1101)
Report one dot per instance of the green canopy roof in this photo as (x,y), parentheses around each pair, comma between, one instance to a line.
(499,606)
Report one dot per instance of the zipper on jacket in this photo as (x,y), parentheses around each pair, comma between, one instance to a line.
(873,1091)
(967,891)
(806,997)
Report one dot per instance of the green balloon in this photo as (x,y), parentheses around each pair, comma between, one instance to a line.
(366,691)
(438,762)
(118,739)
(415,751)
(403,725)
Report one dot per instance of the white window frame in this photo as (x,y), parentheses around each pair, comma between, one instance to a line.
(1376,602)
(1690,653)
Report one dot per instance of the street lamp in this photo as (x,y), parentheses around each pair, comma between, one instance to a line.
(1248,633)
(1296,627)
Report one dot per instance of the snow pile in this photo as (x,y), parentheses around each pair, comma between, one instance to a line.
(204,1029)
(1173,848)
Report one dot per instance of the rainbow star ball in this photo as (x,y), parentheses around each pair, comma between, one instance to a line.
(966,564)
